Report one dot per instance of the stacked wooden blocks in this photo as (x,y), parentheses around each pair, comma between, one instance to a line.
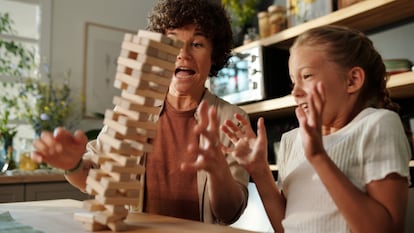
(144,72)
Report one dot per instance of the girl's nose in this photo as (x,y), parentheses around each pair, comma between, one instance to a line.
(296,90)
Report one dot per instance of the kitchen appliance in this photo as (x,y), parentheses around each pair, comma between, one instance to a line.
(253,74)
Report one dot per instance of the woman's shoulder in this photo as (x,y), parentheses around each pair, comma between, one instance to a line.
(224,108)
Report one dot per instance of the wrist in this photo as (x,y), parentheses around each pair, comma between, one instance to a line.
(76,168)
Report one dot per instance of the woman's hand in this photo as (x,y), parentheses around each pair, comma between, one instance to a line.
(62,149)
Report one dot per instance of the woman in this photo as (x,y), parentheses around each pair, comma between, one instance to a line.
(180,182)
(345,169)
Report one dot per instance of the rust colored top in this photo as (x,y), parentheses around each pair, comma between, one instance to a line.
(169,191)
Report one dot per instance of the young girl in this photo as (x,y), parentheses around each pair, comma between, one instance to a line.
(345,169)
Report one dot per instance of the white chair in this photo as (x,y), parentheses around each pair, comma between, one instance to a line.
(254,217)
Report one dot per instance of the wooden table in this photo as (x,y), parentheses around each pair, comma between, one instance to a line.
(57,216)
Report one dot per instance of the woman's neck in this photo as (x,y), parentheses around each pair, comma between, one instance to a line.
(184,102)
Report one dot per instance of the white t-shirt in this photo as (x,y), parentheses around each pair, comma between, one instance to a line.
(370,147)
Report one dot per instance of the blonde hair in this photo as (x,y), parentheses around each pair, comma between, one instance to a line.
(351,48)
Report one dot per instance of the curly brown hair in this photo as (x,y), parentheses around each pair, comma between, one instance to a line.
(350,48)
(211,18)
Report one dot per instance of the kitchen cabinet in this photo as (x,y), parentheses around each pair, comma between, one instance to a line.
(365,15)
(37,187)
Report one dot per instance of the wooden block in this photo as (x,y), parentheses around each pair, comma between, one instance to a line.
(95,226)
(132,81)
(98,158)
(141,146)
(168,65)
(132,184)
(143,67)
(132,114)
(124,151)
(92,205)
(117,200)
(120,128)
(132,136)
(141,49)
(99,188)
(115,143)
(119,177)
(96,173)
(132,193)
(144,83)
(116,209)
(84,217)
(113,167)
(145,92)
(104,217)
(155,36)
(124,160)
(172,50)
(158,37)
(118,226)
(140,100)
(153,78)
(132,98)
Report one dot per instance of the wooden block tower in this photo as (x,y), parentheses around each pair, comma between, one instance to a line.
(145,67)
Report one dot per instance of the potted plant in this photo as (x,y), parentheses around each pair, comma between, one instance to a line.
(242,13)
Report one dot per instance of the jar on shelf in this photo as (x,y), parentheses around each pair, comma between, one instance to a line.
(277,18)
(263,21)
(250,36)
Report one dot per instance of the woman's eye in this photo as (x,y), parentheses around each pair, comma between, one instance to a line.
(197,45)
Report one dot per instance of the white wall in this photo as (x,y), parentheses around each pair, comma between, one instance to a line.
(67,34)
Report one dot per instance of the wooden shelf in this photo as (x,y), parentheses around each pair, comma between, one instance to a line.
(399,85)
(365,15)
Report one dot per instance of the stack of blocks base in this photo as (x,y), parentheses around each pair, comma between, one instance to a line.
(145,67)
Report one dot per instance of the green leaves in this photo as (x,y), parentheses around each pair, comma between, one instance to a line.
(241,10)
(15,59)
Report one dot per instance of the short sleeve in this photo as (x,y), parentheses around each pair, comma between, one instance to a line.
(386,148)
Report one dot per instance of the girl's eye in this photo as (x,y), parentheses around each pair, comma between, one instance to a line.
(307,76)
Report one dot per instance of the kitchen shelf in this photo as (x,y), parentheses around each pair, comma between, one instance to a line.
(399,85)
(365,15)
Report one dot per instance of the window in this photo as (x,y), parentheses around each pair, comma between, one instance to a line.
(31,28)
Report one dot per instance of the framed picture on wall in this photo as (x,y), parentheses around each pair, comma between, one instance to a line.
(102,47)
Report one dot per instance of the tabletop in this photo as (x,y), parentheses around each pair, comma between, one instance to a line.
(57,216)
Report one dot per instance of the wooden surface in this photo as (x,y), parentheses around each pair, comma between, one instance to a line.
(57,216)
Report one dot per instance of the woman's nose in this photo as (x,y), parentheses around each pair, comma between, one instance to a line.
(184,53)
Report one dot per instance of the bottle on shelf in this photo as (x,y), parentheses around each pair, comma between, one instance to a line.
(277,18)
(263,21)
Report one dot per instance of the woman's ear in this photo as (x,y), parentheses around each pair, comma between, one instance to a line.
(356,79)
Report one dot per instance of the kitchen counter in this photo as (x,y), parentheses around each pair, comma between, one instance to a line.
(37,185)
(36,176)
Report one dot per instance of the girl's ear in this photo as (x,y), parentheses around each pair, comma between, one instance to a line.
(356,79)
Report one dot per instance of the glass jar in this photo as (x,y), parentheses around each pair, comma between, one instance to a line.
(277,18)
(263,21)
(25,162)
